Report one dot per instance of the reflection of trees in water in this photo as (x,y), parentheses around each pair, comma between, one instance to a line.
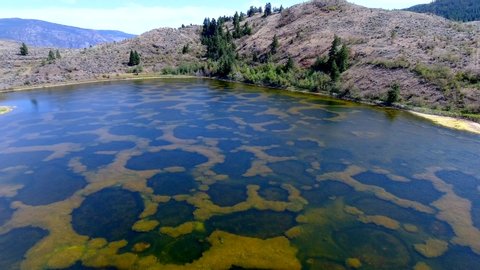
(391,114)
(34,103)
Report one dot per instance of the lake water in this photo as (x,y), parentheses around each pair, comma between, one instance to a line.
(200,174)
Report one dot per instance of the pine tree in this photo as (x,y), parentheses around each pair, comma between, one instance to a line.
(186,49)
(136,58)
(393,93)
(131,61)
(51,56)
(274,45)
(23,49)
(58,55)
(247,30)
(332,54)
(334,72)
(289,65)
(342,58)
(281,8)
(268,10)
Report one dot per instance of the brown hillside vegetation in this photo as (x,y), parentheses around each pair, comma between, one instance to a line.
(434,60)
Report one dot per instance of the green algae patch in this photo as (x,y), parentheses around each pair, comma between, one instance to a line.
(432,248)
(5,109)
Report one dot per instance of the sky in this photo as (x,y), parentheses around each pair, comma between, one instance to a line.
(139,16)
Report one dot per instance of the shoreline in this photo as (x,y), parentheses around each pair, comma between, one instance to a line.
(112,78)
(450,122)
(444,121)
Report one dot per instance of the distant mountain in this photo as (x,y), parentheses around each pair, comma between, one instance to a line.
(46,34)
(458,10)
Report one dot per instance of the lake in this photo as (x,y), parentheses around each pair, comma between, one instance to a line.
(202,174)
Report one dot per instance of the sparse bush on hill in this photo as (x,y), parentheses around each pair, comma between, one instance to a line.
(23,49)
(393,93)
(51,57)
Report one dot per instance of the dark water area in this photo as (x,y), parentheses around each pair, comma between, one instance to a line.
(201,174)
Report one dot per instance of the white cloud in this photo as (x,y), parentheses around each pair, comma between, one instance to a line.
(133,19)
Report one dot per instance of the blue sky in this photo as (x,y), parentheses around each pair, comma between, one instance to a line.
(138,16)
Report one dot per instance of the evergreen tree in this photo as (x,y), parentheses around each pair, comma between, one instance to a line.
(186,49)
(393,93)
(237,33)
(281,8)
(220,46)
(252,11)
(268,10)
(332,54)
(23,49)
(134,58)
(58,55)
(335,72)
(342,58)
(247,30)
(274,46)
(131,60)
(289,65)
(51,56)
(137,58)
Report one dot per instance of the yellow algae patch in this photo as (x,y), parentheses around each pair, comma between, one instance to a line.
(432,248)
(346,177)
(108,256)
(410,228)
(175,169)
(353,210)
(421,266)
(381,221)
(294,232)
(145,225)
(228,250)
(206,208)
(185,228)
(450,122)
(5,109)
(150,208)
(454,210)
(353,263)
(377,219)
(203,188)
(140,247)
(97,243)
(66,257)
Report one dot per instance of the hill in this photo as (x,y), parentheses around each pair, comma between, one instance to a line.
(458,10)
(433,61)
(45,34)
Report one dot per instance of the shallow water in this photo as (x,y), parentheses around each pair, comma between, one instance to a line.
(200,174)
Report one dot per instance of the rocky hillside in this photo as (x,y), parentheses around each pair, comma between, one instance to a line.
(433,60)
(458,10)
(46,34)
